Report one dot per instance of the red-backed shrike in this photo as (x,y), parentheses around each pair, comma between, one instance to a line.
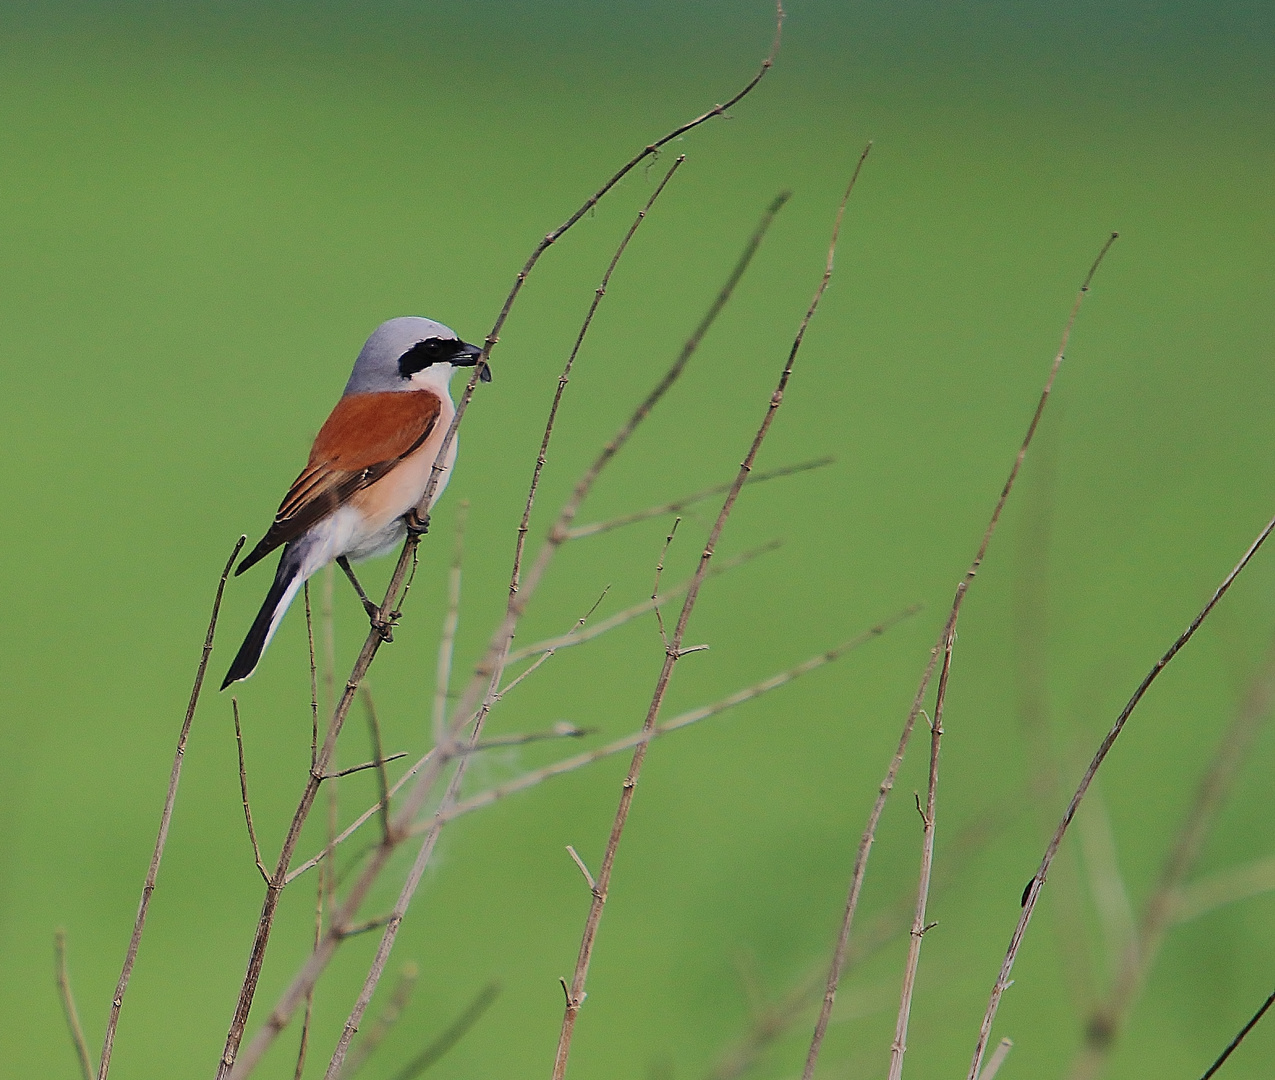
(367,471)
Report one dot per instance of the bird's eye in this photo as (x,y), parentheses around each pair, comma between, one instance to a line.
(424,353)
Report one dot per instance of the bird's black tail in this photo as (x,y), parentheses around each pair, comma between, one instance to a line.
(287,581)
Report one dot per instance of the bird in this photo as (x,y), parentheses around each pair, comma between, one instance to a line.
(368,469)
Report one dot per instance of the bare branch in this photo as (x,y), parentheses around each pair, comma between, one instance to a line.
(678,505)
(1239,1038)
(579,635)
(319,895)
(544,657)
(461,1027)
(655,589)
(378,760)
(1225,887)
(243,790)
(152,872)
(1107,885)
(643,735)
(576,996)
(374,764)
(525,525)
(948,635)
(588,877)
(367,924)
(997,1059)
(368,1045)
(73,1024)
(314,681)
(919,926)
(447,644)
(1144,942)
(362,819)
(672,653)
(1032,893)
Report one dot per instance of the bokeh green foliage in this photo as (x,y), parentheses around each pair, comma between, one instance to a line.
(206,207)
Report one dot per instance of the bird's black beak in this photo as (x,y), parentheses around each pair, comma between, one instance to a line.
(468,357)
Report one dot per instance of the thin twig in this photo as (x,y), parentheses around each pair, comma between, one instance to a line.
(561,730)
(643,736)
(362,819)
(997,1059)
(678,505)
(1239,1038)
(899,1047)
(545,656)
(525,524)
(152,872)
(482,684)
(378,760)
(314,681)
(243,791)
(376,763)
(776,1020)
(874,817)
(371,1041)
(73,1024)
(447,643)
(1144,944)
(655,589)
(459,1028)
(576,996)
(1032,892)
(581,635)
(367,924)
(303,1048)
(1107,885)
(1225,887)
(588,877)
(1031,604)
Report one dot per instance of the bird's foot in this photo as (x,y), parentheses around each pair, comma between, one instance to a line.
(416,525)
(383,624)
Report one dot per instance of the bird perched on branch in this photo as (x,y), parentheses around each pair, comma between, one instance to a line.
(360,492)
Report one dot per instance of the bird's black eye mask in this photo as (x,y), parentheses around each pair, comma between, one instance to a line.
(440,351)
(430,351)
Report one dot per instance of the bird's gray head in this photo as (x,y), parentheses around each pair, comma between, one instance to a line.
(408,346)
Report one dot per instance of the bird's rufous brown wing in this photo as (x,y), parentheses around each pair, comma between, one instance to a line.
(365,436)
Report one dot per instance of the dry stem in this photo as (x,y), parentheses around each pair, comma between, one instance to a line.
(1239,1038)
(678,505)
(948,635)
(370,1042)
(575,996)
(643,736)
(152,872)
(1032,892)
(73,1024)
(1160,908)
(456,1031)
(919,927)
(243,791)
(997,1059)
(579,635)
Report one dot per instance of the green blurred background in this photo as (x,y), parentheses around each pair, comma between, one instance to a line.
(205,208)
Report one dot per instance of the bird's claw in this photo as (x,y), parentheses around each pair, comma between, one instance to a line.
(384,624)
(416,525)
